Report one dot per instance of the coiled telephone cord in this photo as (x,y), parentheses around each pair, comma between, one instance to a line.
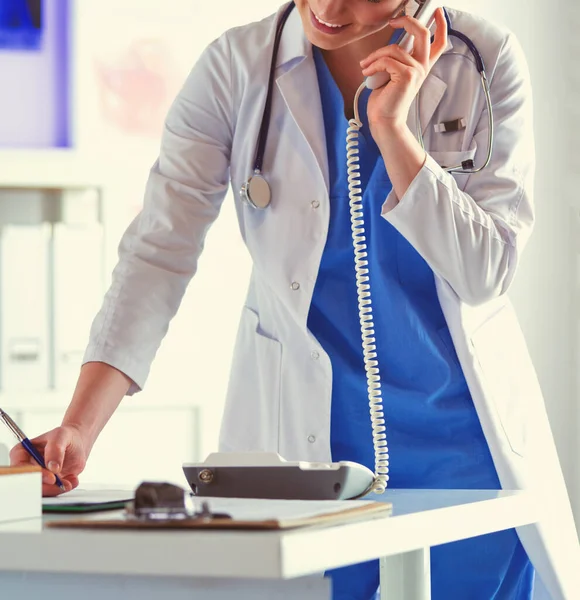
(363,289)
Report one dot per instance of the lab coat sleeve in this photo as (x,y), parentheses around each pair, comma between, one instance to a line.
(473,238)
(159,252)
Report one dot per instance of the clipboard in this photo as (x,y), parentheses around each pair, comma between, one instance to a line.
(277,515)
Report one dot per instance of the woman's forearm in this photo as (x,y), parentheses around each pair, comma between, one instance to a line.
(402,153)
(97,395)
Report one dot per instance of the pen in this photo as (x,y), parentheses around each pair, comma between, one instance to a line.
(26,443)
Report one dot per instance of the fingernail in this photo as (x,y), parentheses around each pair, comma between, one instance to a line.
(53,466)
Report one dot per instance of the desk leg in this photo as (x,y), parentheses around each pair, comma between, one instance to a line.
(406,576)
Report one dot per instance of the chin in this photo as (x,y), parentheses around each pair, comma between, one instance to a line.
(322,42)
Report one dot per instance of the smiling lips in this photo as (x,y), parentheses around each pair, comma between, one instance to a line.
(327,24)
(326,27)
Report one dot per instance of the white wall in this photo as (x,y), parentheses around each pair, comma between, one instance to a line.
(4,460)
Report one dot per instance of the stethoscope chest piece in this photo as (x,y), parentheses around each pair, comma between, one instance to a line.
(256,192)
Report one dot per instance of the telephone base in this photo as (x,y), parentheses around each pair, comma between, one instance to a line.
(268,475)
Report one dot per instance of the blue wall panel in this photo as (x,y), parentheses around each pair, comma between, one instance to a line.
(35,74)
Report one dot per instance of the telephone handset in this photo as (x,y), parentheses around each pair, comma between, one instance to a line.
(268,475)
(425,14)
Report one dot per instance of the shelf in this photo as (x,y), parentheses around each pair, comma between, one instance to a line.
(48,169)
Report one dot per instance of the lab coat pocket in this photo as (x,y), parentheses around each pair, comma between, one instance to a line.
(508,375)
(251,416)
(447,159)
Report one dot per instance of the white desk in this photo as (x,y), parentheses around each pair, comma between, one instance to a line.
(221,565)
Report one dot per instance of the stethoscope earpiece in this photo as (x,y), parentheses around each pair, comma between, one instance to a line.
(256,192)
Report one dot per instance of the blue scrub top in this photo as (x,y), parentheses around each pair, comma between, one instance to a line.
(434,435)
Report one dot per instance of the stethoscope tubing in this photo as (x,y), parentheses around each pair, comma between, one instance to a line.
(256,191)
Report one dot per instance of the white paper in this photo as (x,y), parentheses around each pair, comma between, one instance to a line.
(242,509)
(80,496)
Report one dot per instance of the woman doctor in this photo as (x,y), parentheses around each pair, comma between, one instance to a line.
(462,405)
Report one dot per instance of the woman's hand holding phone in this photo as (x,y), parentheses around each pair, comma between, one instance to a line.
(389,105)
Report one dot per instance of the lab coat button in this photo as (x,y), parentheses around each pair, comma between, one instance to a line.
(314,355)
(311,439)
(295,285)
(315,204)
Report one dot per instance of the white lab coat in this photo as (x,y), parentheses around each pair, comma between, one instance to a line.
(470,230)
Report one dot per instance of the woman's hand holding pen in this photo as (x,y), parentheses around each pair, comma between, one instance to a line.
(64,454)
(388,107)
(65,450)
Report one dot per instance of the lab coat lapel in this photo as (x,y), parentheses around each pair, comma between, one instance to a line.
(429,99)
(299,88)
(431,94)
(297,82)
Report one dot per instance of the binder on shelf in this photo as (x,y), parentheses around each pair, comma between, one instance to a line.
(24,308)
(78,292)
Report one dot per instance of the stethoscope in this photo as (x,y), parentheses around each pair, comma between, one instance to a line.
(256,191)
